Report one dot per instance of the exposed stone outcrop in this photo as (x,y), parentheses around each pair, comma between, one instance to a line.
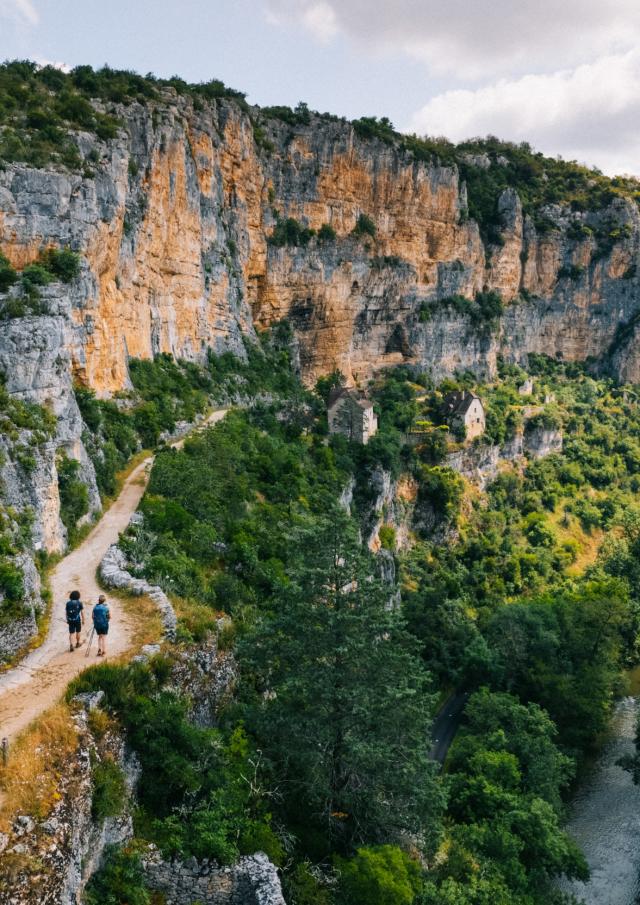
(48,862)
(115,575)
(16,633)
(252,881)
(542,441)
(207,676)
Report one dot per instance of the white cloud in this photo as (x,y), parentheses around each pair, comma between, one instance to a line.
(590,113)
(21,12)
(320,19)
(479,39)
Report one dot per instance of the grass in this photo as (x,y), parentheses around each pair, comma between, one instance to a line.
(588,543)
(29,783)
(195,620)
(121,477)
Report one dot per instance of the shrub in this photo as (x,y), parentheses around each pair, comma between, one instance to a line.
(326,233)
(302,888)
(8,275)
(74,496)
(61,263)
(120,881)
(35,275)
(387,536)
(365,226)
(258,836)
(380,875)
(109,790)
(372,127)
(290,232)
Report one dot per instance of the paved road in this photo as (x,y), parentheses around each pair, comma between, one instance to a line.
(446,724)
(41,677)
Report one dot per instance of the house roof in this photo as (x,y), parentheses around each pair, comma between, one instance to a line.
(458,402)
(342,392)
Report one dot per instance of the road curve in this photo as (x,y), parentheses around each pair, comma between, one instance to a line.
(446,724)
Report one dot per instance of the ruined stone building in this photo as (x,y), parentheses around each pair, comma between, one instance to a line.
(352,415)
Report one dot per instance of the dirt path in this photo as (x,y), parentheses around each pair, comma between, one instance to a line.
(39,680)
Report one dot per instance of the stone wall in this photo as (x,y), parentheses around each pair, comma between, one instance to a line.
(252,881)
(114,574)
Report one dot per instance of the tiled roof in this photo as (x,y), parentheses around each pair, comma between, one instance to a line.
(340,392)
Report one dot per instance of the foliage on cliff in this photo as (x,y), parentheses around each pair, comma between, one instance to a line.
(41,106)
(25,428)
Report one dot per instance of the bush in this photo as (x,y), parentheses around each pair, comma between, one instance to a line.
(326,233)
(8,275)
(109,790)
(365,226)
(290,232)
(61,263)
(35,275)
(120,881)
(387,536)
(74,496)
(380,875)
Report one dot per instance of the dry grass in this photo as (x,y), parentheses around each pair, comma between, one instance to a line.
(587,543)
(197,618)
(29,783)
(148,624)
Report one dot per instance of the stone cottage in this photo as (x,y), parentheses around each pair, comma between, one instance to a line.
(351,414)
(462,408)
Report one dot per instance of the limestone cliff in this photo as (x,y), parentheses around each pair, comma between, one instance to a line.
(173,219)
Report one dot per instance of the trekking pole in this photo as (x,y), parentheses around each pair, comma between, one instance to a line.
(90,640)
(5,752)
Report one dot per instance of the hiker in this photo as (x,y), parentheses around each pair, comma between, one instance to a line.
(101,617)
(75,618)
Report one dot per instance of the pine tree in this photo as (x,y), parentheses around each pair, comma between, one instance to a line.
(344,712)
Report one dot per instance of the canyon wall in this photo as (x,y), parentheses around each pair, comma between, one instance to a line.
(173,216)
(172,219)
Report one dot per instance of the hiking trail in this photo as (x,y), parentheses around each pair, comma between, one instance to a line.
(40,678)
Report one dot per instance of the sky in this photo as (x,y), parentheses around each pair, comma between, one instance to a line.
(561,74)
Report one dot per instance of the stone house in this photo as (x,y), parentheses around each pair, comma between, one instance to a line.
(352,415)
(462,408)
(526,388)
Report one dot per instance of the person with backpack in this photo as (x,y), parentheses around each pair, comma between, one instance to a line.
(101,617)
(75,618)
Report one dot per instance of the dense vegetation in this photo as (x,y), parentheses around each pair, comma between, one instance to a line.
(523,606)
(24,429)
(41,107)
(52,264)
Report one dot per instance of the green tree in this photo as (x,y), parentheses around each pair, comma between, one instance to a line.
(345,709)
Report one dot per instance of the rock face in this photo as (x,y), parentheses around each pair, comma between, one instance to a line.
(173,227)
(49,862)
(252,881)
(173,217)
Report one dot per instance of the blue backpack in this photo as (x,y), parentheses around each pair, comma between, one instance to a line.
(73,610)
(101,617)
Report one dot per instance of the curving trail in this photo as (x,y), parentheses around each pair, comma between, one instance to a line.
(40,679)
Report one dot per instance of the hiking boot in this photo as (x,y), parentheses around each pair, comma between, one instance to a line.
(71,648)
(78,643)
